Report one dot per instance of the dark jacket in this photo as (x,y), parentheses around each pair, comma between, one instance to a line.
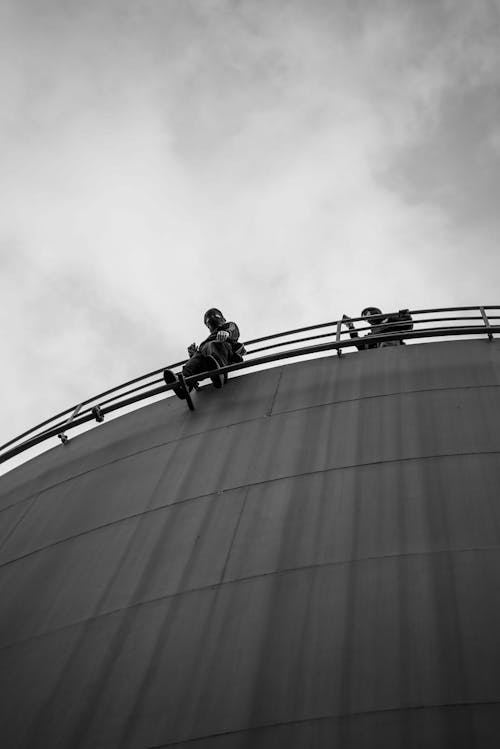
(386,325)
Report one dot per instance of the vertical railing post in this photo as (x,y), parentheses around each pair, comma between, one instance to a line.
(62,436)
(486,323)
(337,337)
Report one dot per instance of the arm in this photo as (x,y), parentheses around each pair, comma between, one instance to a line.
(228,331)
(233,330)
(402,317)
(353,333)
(352,330)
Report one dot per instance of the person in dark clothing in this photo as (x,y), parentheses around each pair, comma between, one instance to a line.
(380,324)
(219,349)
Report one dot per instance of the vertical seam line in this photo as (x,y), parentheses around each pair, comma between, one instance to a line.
(236,528)
(269,413)
(30,502)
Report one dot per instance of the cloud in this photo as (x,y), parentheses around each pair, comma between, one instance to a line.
(448,160)
(285,161)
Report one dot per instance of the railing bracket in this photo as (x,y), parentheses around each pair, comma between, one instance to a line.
(487,323)
(98,414)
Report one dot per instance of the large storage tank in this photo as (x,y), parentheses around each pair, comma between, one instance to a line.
(309,559)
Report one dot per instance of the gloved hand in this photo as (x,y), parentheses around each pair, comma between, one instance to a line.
(192,349)
(222,335)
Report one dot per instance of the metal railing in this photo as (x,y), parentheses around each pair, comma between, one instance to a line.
(449,322)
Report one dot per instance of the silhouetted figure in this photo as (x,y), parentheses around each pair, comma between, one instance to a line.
(219,349)
(380,324)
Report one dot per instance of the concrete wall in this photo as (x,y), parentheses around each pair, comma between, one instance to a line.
(310,559)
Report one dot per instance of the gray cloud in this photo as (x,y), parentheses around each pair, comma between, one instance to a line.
(456,165)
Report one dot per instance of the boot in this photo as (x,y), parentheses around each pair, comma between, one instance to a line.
(217,379)
(171,378)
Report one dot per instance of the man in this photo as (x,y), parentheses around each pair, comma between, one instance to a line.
(219,349)
(380,323)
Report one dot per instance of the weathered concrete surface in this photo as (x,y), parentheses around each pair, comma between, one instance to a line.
(310,559)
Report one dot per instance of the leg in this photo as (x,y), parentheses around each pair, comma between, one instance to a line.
(202,361)
(195,365)
(220,350)
(218,354)
(179,386)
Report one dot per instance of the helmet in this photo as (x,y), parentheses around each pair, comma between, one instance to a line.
(213,317)
(371,311)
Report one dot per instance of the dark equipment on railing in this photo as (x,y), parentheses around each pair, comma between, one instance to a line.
(98,414)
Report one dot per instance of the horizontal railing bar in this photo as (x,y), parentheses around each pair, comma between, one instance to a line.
(435,332)
(289,343)
(450,309)
(398,323)
(362,319)
(131,382)
(426,333)
(88,412)
(90,400)
(38,426)
(347,332)
(354,319)
(116,389)
(79,421)
(289,332)
(128,392)
(33,441)
(294,352)
(434,319)
(136,398)
(86,415)
(282,343)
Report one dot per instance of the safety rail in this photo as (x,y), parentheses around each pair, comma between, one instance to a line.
(449,325)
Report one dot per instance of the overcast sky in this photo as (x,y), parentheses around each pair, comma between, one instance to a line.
(286,161)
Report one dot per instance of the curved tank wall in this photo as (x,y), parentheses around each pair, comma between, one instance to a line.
(310,559)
